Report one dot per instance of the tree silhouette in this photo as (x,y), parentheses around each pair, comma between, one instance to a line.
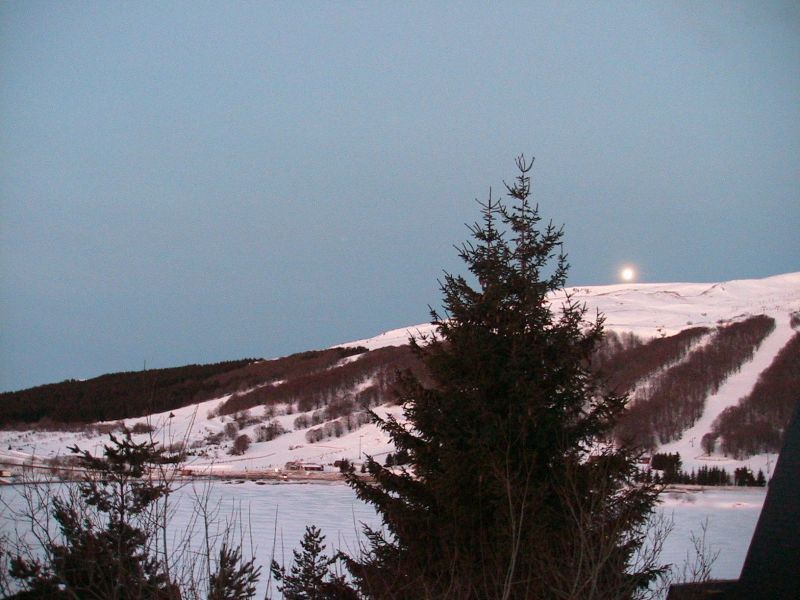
(512,489)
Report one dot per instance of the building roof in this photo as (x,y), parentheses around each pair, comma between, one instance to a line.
(772,566)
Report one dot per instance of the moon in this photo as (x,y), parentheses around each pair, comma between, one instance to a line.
(627,274)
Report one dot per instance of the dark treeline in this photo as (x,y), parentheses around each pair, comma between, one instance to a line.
(667,469)
(676,399)
(140,393)
(626,360)
(668,387)
(332,386)
(757,423)
(113,396)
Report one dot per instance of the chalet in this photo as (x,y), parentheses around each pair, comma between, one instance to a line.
(297,465)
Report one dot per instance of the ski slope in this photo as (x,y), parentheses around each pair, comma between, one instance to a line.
(648,310)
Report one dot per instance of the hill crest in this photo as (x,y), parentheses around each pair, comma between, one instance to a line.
(314,410)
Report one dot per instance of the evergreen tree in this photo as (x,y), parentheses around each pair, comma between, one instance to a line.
(104,550)
(511,489)
(309,577)
(234,579)
(108,546)
(761,481)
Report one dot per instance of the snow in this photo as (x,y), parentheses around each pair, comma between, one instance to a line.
(273,518)
(192,424)
(735,387)
(731,515)
(647,310)
(656,308)
(395,337)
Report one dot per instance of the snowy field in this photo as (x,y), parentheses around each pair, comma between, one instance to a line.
(273,519)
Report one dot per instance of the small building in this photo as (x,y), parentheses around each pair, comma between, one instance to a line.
(297,465)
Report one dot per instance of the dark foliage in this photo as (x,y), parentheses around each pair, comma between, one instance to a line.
(325,385)
(310,577)
(115,396)
(756,424)
(506,494)
(676,399)
(234,578)
(139,393)
(628,361)
(668,467)
(711,476)
(669,463)
(107,557)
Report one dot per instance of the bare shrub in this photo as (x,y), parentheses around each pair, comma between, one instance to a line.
(108,428)
(231,429)
(314,435)
(240,445)
(142,427)
(267,433)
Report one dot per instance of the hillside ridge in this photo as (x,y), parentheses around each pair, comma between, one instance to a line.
(312,406)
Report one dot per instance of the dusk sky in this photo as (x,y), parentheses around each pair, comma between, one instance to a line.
(191,182)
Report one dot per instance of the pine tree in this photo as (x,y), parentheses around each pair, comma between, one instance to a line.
(235,578)
(511,490)
(105,532)
(309,577)
(761,481)
(110,527)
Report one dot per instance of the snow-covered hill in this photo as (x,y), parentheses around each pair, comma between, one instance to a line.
(648,310)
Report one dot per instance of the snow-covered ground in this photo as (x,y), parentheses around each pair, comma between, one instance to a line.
(193,424)
(648,310)
(273,519)
(653,309)
(730,514)
(735,387)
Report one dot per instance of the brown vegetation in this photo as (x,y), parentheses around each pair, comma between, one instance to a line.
(626,360)
(328,386)
(757,423)
(139,393)
(677,398)
(116,395)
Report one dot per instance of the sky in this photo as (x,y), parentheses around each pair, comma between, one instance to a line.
(192,182)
